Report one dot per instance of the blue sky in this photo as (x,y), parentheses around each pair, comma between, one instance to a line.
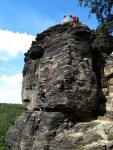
(20,21)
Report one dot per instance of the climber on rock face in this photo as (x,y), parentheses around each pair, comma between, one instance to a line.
(75,20)
(65,19)
(42,96)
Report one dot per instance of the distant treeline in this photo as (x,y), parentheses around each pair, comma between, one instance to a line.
(7,113)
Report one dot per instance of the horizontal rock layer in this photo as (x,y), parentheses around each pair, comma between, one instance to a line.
(55,130)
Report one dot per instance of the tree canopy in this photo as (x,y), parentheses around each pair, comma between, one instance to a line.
(7,113)
(103,9)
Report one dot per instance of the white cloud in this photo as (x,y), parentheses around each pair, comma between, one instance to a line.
(10,89)
(13,43)
(12,79)
(11,46)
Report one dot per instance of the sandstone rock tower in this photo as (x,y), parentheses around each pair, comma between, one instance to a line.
(71,63)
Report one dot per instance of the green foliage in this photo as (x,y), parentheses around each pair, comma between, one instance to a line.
(103,9)
(33,61)
(110,137)
(7,113)
(79,147)
(47,40)
(110,134)
(104,32)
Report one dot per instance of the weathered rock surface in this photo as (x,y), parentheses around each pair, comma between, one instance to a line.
(64,69)
(109,74)
(75,68)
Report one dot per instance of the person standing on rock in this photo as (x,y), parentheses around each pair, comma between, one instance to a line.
(75,20)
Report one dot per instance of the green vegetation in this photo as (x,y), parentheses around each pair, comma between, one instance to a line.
(79,147)
(110,134)
(103,9)
(47,40)
(7,113)
(33,61)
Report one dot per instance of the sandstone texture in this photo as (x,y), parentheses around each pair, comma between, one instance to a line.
(75,66)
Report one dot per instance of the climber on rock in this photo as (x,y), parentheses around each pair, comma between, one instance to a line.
(65,19)
(42,96)
(75,20)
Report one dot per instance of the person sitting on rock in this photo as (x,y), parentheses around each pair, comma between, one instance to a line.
(75,20)
(65,19)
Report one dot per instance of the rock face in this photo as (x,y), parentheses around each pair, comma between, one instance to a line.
(109,74)
(61,61)
(75,67)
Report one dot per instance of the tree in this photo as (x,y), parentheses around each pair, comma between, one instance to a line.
(104,13)
(7,113)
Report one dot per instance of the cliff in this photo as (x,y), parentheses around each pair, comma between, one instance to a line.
(74,65)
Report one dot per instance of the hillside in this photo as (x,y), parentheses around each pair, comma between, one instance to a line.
(7,114)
